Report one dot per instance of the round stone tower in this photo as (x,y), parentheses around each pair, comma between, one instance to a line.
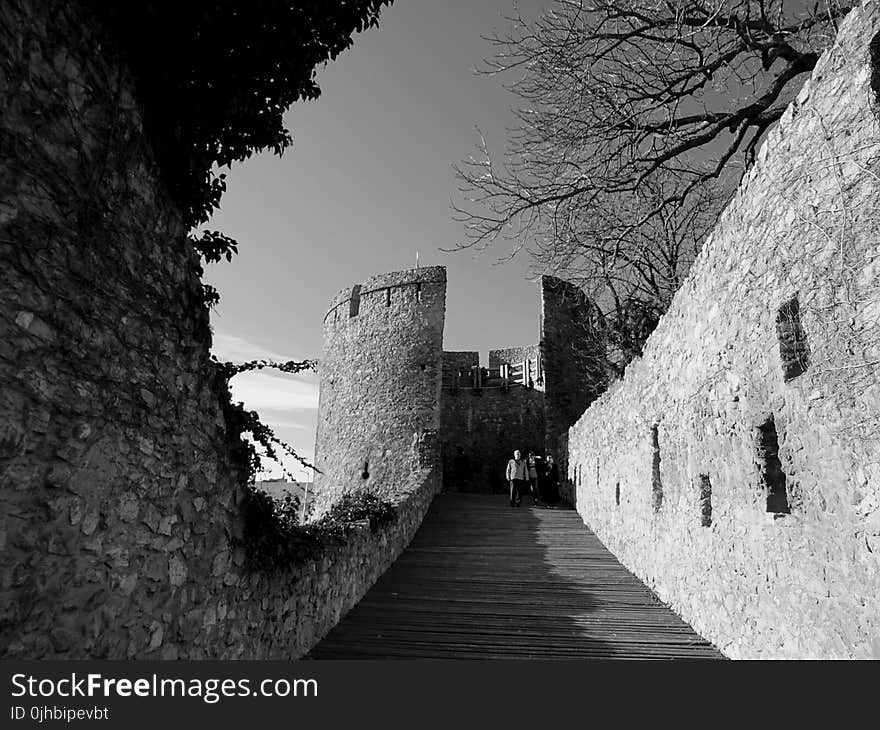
(380,379)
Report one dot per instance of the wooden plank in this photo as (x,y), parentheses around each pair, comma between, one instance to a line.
(484,580)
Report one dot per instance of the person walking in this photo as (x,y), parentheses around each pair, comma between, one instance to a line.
(517,476)
(533,477)
(551,480)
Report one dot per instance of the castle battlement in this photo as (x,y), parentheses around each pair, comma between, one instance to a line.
(385,291)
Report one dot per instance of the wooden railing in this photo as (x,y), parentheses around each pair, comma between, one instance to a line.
(527,374)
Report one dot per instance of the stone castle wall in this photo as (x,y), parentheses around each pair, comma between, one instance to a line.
(385,377)
(572,360)
(120,517)
(380,379)
(114,487)
(487,425)
(736,468)
(517,355)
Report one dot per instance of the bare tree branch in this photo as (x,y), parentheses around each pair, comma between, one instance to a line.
(636,120)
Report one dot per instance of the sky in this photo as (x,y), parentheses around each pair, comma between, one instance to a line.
(368,183)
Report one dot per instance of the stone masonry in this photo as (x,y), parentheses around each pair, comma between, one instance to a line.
(736,468)
(489,423)
(380,378)
(573,358)
(385,379)
(120,517)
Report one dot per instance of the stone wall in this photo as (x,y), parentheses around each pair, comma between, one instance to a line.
(488,425)
(455,363)
(380,378)
(114,486)
(299,606)
(120,514)
(572,359)
(384,378)
(481,428)
(736,468)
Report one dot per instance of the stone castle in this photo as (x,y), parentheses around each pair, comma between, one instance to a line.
(387,386)
(735,468)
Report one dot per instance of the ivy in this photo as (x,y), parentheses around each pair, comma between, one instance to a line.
(214,246)
(357,507)
(273,535)
(274,538)
(288,366)
(214,94)
(240,421)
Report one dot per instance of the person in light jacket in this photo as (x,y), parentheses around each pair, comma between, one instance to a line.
(517,477)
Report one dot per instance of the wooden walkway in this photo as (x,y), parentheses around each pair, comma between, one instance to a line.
(482,580)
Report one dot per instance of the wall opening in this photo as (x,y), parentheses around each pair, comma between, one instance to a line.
(354,304)
(418,292)
(656,484)
(365,474)
(771,468)
(705,501)
(793,350)
(617,494)
(388,297)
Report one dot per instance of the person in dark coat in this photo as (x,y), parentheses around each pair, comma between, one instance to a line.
(551,481)
(532,463)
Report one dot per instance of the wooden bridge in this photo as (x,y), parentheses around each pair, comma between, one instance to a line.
(482,580)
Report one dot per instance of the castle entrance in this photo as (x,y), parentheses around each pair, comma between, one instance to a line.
(487,413)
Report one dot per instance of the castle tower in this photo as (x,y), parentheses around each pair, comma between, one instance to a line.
(380,378)
(573,355)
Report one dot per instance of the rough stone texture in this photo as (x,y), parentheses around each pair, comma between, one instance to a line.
(455,363)
(300,605)
(488,425)
(111,430)
(373,400)
(380,378)
(120,519)
(804,223)
(571,359)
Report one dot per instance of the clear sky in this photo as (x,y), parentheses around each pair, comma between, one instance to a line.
(366,184)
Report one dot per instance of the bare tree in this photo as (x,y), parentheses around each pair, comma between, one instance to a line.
(637,119)
(631,276)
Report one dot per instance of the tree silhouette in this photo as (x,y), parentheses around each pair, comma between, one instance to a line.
(636,120)
(216,76)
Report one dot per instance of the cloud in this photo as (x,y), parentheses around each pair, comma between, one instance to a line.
(278,423)
(238,349)
(276,391)
(287,403)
